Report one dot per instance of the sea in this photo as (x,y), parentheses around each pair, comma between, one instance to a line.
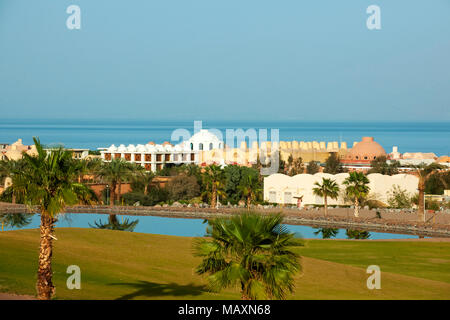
(92,134)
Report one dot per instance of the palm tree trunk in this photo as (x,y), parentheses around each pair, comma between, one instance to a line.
(214,196)
(44,286)
(13,198)
(356,207)
(112,191)
(119,191)
(249,201)
(326,205)
(421,208)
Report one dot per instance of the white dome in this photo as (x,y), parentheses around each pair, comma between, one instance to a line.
(112,148)
(131,148)
(203,140)
(122,148)
(140,148)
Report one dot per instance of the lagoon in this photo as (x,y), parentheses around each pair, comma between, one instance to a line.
(183,227)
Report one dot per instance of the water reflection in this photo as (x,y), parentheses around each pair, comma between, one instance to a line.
(15,220)
(114,224)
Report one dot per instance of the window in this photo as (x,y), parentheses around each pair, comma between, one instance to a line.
(107,156)
(158,157)
(167,157)
(137,157)
(200,146)
(272,196)
(211,146)
(148,157)
(117,156)
(192,146)
(128,156)
(288,197)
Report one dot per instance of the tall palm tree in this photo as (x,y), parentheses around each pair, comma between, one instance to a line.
(251,251)
(423,172)
(215,180)
(115,172)
(328,188)
(357,187)
(48,182)
(250,187)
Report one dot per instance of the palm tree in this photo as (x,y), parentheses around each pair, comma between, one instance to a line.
(250,187)
(327,233)
(328,188)
(7,170)
(48,182)
(424,171)
(115,172)
(357,188)
(144,178)
(250,251)
(215,180)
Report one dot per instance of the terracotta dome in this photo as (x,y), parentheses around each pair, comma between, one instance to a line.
(365,151)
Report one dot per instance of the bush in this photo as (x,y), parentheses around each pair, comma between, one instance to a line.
(183,187)
(399,198)
(432,205)
(154,196)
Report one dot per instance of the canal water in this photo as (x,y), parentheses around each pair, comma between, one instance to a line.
(180,226)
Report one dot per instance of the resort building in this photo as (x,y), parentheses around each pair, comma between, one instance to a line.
(283,189)
(154,157)
(363,153)
(15,150)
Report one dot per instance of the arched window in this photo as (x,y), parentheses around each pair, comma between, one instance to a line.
(192,146)
(200,146)
(211,146)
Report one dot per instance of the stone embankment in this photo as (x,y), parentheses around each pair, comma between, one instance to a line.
(377,220)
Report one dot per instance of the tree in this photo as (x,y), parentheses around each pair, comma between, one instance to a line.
(327,233)
(250,251)
(48,182)
(294,166)
(183,187)
(333,165)
(115,172)
(143,179)
(328,188)
(357,188)
(380,165)
(312,167)
(8,168)
(399,198)
(250,186)
(424,171)
(215,181)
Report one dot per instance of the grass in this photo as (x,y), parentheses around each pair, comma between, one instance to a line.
(123,265)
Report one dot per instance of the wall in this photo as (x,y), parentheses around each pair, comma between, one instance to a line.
(302,185)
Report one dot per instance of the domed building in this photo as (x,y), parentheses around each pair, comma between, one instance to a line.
(364,152)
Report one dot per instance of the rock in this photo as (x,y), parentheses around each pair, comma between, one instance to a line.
(165,205)
(176,204)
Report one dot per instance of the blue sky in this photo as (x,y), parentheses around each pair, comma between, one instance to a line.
(218,60)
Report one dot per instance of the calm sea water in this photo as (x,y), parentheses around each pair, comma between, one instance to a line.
(182,227)
(409,137)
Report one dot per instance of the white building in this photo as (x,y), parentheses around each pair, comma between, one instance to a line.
(154,157)
(283,189)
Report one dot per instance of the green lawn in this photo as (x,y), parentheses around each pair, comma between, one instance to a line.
(123,265)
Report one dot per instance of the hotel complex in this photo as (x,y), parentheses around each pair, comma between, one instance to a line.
(205,148)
